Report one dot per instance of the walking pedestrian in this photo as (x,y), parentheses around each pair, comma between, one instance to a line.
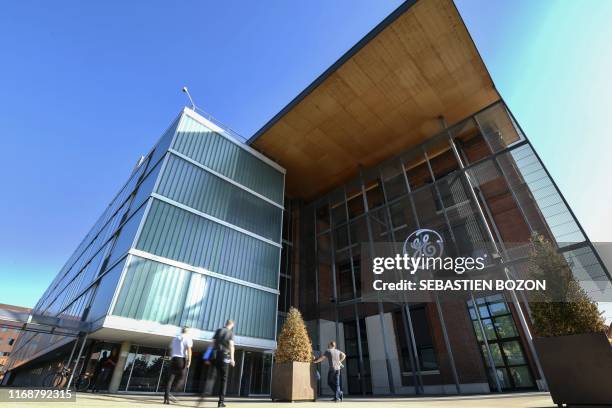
(180,353)
(224,349)
(107,365)
(335,358)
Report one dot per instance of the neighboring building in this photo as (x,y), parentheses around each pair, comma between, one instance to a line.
(9,332)
(405,131)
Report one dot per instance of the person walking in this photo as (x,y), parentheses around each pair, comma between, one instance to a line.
(224,357)
(180,353)
(335,358)
(95,378)
(107,365)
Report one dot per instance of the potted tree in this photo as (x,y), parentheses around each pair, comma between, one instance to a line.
(569,332)
(293,377)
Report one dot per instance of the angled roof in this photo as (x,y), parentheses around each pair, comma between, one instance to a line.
(383,96)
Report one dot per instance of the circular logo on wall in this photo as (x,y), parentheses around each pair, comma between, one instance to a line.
(424,243)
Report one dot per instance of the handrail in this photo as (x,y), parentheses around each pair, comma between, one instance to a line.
(222,125)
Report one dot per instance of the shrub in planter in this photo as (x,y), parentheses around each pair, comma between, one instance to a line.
(569,332)
(293,377)
(564,308)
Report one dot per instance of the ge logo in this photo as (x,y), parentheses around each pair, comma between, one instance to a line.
(424,243)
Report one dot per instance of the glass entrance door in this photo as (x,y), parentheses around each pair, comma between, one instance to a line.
(256,374)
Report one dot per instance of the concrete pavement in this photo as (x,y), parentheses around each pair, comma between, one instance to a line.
(86,400)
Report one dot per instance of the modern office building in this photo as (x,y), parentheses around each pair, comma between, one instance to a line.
(405,131)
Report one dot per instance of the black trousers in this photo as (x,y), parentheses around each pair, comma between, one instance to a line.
(177,371)
(222,369)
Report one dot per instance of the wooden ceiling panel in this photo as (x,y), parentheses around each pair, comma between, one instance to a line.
(383,97)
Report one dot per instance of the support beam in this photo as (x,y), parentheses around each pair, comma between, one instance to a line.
(113,387)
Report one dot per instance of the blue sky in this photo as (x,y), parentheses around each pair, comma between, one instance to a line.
(86,87)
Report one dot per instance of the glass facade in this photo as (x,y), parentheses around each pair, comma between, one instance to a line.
(478,182)
(93,270)
(193,238)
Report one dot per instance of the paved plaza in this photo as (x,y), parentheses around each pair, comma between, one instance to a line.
(527,400)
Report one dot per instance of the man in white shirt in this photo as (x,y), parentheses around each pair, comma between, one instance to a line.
(180,353)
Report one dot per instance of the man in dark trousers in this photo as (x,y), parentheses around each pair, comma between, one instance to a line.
(335,358)
(224,349)
(180,353)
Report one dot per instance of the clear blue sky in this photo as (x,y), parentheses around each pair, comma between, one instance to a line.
(86,87)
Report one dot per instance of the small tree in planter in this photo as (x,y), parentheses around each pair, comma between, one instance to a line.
(293,375)
(570,340)
(564,308)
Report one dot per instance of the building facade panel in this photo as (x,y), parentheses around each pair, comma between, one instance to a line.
(224,156)
(194,187)
(170,295)
(175,233)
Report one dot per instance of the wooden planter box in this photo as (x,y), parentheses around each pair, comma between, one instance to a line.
(293,382)
(578,368)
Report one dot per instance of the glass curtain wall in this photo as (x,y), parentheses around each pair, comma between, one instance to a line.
(475,183)
(83,288)
(210,243)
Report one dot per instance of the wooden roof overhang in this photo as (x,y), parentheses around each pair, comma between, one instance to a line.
(382,97)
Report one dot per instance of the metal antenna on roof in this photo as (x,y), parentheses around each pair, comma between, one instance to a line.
(193,106)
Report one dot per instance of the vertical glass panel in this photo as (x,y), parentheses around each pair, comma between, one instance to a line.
(513,352)
(341,237)
(497,200)
(359,231)
(525,200)
(498,128)
(497,305)
(374,195)
(226,157)
(521,377)
(429,209)
(322,215)
(145,189)
(104,293)
(379,225)
(504,379)
(441,157)
(344,276)
(147,369)
(164,143)
(496,353)
(169,295)
(469,141)
(393,179)
(505,326)
(402,218)
(416,170)
(354,199)
(174,233)
(190,185)
(125,237)
(562,224)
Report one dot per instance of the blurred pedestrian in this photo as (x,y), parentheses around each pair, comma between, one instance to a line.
(224,350)
(180,353)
